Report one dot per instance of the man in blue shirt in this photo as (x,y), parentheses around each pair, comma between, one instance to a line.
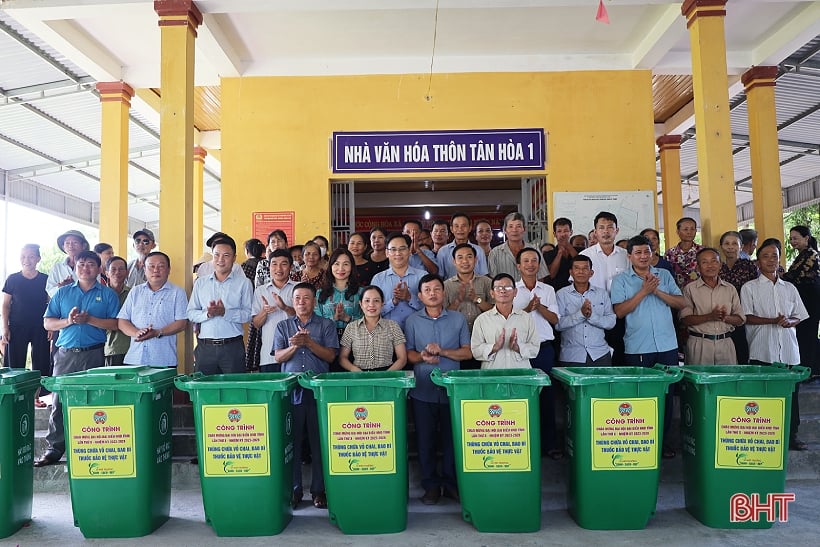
(153,313)
(399,281)
(82,312)
(306,342)
(420,258)
(461,225)
(221,304)
(644,296)
(436,337)
(585,312)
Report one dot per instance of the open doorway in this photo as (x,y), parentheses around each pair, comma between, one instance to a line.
(361,205)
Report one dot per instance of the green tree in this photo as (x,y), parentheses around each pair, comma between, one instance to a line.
(806,216)
(49,257)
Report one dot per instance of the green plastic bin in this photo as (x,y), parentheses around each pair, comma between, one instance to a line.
(614,418)
(497,438)
(245,446)
(735,424)
(17,389)
(363,432)
(118,445)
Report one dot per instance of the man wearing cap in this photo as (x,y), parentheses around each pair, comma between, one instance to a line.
(152,315)
(144,243)
(72,243)
(82,311)
(221,304)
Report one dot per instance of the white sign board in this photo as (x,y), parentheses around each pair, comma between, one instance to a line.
(634,210)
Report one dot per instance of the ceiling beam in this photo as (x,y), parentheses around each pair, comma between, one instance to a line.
(215,45)
(800,26)
(667,30)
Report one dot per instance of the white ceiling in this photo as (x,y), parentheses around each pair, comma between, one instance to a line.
(71,44)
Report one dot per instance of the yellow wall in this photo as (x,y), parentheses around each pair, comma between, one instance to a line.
(276,131)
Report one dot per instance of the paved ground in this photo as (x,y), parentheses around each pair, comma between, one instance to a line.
(434,526)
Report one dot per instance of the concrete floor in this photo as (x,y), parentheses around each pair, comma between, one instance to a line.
(672,525)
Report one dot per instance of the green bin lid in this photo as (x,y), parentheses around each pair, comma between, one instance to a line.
(385,378)
(585,376)
(716,374)
(522,376)
(14,379)
(264,381)
(123,378)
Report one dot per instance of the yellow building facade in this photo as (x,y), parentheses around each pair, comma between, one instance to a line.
(276,132)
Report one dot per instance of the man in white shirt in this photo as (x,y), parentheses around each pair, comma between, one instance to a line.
(608,260)
(504,337)
(538,299)
(773,309)
(273,302)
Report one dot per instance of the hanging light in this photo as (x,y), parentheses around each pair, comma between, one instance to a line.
(426,214)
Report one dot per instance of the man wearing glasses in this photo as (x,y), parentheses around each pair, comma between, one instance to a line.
(144,243)
(504,337)
(399,281)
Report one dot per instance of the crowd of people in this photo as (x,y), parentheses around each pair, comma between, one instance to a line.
(413,300)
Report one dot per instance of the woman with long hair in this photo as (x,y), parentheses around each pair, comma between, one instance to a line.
(804,273)
(277,239)
(254,253)
(338,297)
(655,244)
(737,271)
(357,245)
(378,256)
(372,342)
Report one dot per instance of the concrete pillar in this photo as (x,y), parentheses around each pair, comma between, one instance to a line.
(705,21)
(669,150)
(199,181)
(763,149)
(178,21)
(115,102)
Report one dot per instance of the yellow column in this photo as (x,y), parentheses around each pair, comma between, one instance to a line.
(669,150)
(766,188)
(178,21)
(718,212)
(115,103)
(199,181)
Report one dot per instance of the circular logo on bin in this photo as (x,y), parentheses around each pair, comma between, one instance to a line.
(360,413)
(234,415)
(625,409)
(24,425)
(163,423)
(100,417)
(752,408)
(494,410)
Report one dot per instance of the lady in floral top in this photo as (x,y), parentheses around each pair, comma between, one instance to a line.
(804,273)
(338,297)
(737,271)
(312,272)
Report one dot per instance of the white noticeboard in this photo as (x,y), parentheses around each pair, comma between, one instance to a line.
(634,210)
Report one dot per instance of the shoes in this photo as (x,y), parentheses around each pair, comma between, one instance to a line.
(668,453)
(195,461)
(452,493)
(296,498)
(49,458)
(320,501)
(798,445)
(431,496)
(39,404)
